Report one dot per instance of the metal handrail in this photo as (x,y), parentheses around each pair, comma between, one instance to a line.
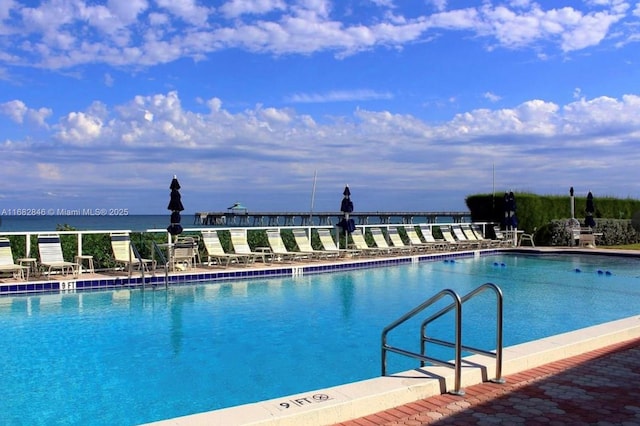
(457,344)
(424,338)
(457,303)
(158,251)
(133,249)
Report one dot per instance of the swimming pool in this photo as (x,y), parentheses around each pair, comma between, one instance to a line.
(133,356)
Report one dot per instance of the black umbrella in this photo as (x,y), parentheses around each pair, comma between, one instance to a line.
(175,205)
(346,207)
(590,210)
(511,220)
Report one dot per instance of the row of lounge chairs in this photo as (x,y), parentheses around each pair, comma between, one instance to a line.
(185,252)
(455,237)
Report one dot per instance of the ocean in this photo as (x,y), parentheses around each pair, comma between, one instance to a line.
(47,223)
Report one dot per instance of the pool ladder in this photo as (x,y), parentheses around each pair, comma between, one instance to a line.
(457,344)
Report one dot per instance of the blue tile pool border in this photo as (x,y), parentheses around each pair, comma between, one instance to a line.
(269,271)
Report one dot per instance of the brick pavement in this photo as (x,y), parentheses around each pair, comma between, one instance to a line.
(601,387)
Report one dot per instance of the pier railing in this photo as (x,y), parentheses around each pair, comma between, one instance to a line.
(325,218)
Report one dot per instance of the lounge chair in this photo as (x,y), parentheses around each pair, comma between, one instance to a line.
(126,254)
(241,245)
(462,238)
(477,231)
(473,238)
(397,244)
(216,252)
(280,251)
(329,245)
(51,256)
(438,244)
(304,245)
(361,244)
(447,234)
(7,263)
(415,241)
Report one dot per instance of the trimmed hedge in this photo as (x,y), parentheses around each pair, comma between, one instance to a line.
(550,213)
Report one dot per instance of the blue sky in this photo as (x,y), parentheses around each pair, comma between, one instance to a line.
(415,104)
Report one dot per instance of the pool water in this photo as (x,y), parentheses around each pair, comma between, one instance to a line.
(132,356)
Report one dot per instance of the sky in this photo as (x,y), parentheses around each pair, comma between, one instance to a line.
(415,104)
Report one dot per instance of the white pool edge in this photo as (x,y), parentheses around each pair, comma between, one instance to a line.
(358,399)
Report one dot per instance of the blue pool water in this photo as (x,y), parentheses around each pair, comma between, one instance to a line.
(131,356)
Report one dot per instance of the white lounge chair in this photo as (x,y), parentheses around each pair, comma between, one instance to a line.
(330,245)
(487,242)
(7,263)
(462,238)
(438,244)
(304,245)
(216,252)
(397,244)
(126,254)
(416,242)
(447,234)
(473,238)
(51,256)
(280,251)
(361,244)
(241,245)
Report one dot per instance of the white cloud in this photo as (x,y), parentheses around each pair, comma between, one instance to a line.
(492,97)
(187,10)
(338,96)
(79,128)
(235,8)
(108,80)
(141,33)
(127,10)
(15,110)
(48,171)
(18,112)
(439,5)
(264,150)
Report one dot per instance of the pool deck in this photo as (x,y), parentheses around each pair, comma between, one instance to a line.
(596,387)
(572,378)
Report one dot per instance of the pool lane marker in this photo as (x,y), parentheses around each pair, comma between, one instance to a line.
(599,272)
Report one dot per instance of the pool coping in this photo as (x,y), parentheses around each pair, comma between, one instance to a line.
(358,399)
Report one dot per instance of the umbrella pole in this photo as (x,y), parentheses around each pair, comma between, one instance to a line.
(346,232)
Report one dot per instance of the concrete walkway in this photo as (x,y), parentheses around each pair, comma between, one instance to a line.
(600,387)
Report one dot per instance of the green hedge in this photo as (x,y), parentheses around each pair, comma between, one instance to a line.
(535,211)
(547,215)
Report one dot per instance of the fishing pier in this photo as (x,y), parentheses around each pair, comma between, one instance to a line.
(245,218)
